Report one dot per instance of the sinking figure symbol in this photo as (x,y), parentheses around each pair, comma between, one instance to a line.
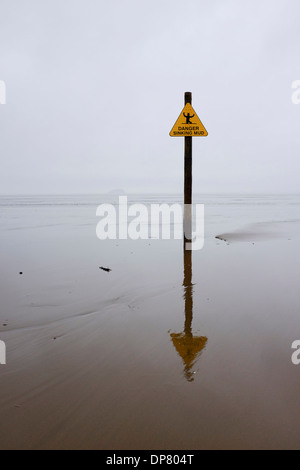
(188,117)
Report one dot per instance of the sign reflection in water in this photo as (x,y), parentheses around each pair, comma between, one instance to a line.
(188,347)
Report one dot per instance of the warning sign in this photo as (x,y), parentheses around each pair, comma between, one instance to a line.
(188,124)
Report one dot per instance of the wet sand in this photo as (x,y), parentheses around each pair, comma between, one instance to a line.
(167,350)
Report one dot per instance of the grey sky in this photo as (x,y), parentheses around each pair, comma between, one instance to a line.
(94,88)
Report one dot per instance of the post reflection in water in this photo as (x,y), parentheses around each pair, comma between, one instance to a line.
(188,347)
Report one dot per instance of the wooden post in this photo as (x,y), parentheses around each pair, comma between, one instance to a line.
(188,291)
(187,223)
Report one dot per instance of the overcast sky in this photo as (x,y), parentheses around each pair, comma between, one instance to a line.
(94,87)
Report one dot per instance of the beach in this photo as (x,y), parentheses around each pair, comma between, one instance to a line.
(162,350)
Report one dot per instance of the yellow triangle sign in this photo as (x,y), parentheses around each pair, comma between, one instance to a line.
(188,124)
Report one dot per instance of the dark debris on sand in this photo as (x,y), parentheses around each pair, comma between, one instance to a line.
(105,269)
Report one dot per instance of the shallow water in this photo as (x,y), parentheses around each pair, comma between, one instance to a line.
(168,350)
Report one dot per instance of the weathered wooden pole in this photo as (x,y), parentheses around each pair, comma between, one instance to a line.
(188,346)
(188,291)
(188,125)
(187,223)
